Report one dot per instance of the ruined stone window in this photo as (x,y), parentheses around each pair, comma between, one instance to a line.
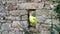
(31,13)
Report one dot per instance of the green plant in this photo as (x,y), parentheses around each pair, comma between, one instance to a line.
(57,28)
(32,21)
(51,29)
(58,1)
(34,14)
(57,9)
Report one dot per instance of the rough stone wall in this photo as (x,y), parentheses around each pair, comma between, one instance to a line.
(16,14)
(46,15)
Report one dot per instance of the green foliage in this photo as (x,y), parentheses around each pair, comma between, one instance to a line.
(57,28)
(58,8)
(59,17)
(51,29)
(33,21)
(58,1)
(34,14)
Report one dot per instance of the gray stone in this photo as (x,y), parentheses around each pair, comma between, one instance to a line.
(2,14)
(40,19)
(40,5)
(28,5)
(37,0)
(9,1)
(52,6)
(11,32)
(45,32)
(55,4)
(0,32)
(38,12)
(25,23)
(54,21)
(13,17)
(53,0)
(48,21)
(41,12)
(47,7)
(22,0)
(5,26)
(3,21)
(0,25)
(16,23)
(23,12)
(25,17)
(51,14)
(55,31)
(17,18)
(38,26)
(1,8)
(5,32)
(17,31)
(14,12)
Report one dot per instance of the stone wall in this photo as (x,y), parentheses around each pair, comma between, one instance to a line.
(12,16)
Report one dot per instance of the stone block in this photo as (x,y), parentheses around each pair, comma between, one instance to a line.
(5,26)
(18,12)
(16,24)
(45,32)
(17,31)
(5,32)
(38,12)
(48,21)
(38,26)
(28,5)
(2,14)
(55,21)
(37,1)
(3,21)
(47,7)
(11,32)
(22,0)
(40,18)
(25,17)
(40,5)
(23,12)
(25,23)
(9,22)
(13,17)
(1,8)
(41,12)
(14,12)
